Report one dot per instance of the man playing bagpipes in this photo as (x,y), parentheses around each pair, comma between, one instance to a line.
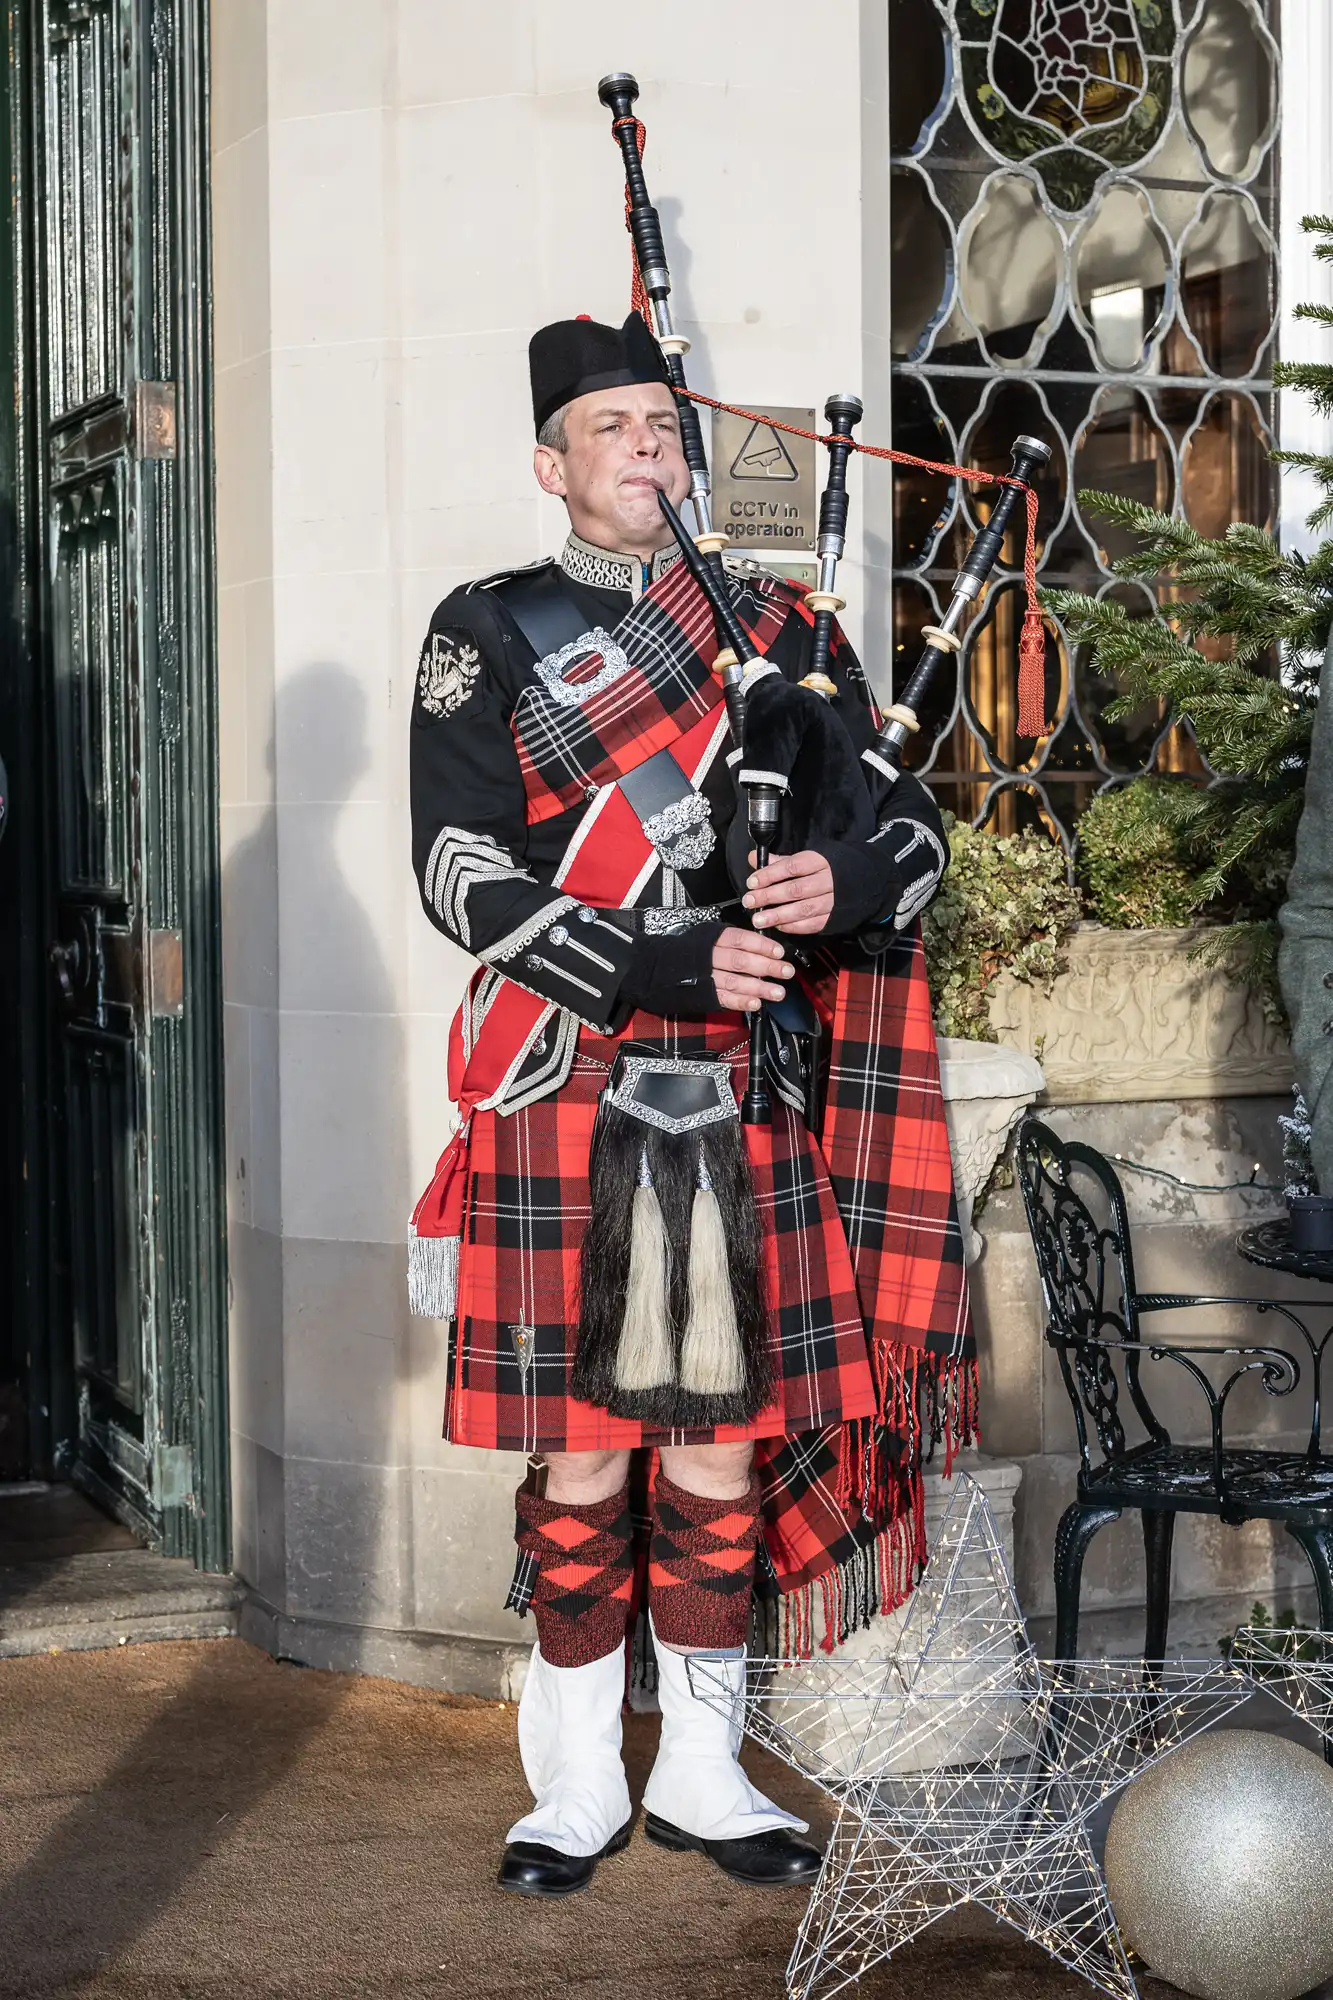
(777,1310)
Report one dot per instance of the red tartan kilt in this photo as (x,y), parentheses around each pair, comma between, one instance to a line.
(527,1209)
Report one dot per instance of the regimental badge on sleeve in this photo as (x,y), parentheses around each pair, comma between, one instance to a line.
(450,663)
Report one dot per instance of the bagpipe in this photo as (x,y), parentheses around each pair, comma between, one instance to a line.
(798,769)
(673,1320)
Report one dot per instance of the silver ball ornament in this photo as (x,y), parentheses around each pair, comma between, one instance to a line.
(1219,1865)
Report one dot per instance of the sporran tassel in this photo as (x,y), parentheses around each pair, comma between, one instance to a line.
(645,1356)
(712,1362)
(673,1310)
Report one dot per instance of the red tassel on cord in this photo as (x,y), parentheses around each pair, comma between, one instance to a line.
(1032,675)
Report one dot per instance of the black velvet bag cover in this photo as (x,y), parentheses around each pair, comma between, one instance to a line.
(794,733)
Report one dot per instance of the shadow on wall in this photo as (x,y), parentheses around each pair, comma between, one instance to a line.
(319,1185)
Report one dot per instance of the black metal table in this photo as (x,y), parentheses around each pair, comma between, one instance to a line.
(1269,1244)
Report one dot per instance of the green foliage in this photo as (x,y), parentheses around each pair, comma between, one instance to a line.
(1283,1635)
(1238,608)
(1128,868)
(1005,902)
(1247,953)
(1314,379)
(1253,729)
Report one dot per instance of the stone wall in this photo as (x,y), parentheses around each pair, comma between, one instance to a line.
(402,190)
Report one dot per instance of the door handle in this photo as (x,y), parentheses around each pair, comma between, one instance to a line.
(67,960)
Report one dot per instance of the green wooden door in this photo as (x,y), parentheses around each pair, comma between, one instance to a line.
(119,168)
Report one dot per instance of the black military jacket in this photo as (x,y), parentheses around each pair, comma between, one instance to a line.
(486,876)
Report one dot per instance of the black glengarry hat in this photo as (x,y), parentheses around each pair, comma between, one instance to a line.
(575,357)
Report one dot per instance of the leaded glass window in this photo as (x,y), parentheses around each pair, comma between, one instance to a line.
(1083,223)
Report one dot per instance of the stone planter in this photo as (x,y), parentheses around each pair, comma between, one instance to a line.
(986,1090)
(1134,1019)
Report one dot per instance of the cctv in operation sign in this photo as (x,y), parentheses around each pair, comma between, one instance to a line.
(764,491)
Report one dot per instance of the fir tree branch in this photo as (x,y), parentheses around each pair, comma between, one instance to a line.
(1226,649)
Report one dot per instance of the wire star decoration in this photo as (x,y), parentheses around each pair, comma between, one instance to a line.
(1293,1664)
(964,1768)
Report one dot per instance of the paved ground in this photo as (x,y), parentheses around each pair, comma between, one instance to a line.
(194,1820)
(70,1578)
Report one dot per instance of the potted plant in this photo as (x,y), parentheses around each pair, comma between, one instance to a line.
(1005,905)
(1311,1212)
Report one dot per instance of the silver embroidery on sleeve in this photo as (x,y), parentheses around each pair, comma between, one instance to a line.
(915,835)
(594,957)
(572,694)
(682,832)
(914,899)
(447,672)
(531,927)
(537,963)
(919,891)
(459,860)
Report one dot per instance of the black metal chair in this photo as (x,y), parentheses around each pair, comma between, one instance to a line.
(1094,1314)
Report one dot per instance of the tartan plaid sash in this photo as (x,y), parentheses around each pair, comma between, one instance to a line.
(649,685)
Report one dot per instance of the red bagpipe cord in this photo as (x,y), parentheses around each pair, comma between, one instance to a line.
(1032,644)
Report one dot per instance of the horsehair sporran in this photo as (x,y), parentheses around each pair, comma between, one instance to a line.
(673,1320)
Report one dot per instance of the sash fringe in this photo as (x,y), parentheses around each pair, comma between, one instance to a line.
(877,1579)
(937,1400)
(432,1275)
(925,1402)
(952,1409)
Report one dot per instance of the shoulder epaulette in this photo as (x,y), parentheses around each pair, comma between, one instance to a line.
(507,575)
(745,566)
(770,580)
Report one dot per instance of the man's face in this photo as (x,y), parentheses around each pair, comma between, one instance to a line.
(624,448)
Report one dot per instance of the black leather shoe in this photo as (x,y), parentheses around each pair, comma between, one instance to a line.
(773,1860)
(529,1869)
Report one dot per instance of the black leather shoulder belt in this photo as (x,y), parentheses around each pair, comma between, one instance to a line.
(537,602)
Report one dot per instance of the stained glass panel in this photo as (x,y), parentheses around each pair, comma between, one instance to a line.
(1084,214)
